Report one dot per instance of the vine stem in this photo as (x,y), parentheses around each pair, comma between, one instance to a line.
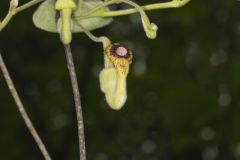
(14,11)
(77,100)
(149,7)
(103,39)
(22,110)
(93,12)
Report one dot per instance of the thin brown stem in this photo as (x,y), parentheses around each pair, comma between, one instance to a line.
(77,100)
(22,110)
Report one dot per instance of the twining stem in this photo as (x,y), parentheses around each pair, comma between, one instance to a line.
(22,110)
(77,100)
(102,39)
(93,12)
(172,4)
(14,11)
(27,5)
(6,20)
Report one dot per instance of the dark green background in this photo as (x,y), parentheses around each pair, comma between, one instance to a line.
(183,88)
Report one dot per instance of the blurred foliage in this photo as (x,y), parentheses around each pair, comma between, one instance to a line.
(183,88)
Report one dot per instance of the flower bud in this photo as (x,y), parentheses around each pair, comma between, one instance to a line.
(13,4)
(149,28)
(64,24)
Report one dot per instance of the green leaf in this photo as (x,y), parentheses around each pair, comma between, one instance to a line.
(45,17)
(90,23)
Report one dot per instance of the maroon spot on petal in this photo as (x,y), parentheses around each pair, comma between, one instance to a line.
(120,51)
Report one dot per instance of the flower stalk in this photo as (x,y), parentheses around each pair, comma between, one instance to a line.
(77,100)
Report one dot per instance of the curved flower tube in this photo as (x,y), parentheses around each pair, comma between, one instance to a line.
(113,80)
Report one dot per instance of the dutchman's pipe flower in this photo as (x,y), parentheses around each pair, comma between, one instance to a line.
(113,78)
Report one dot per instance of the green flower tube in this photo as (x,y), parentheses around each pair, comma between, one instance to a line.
(65,7)
(113,79)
